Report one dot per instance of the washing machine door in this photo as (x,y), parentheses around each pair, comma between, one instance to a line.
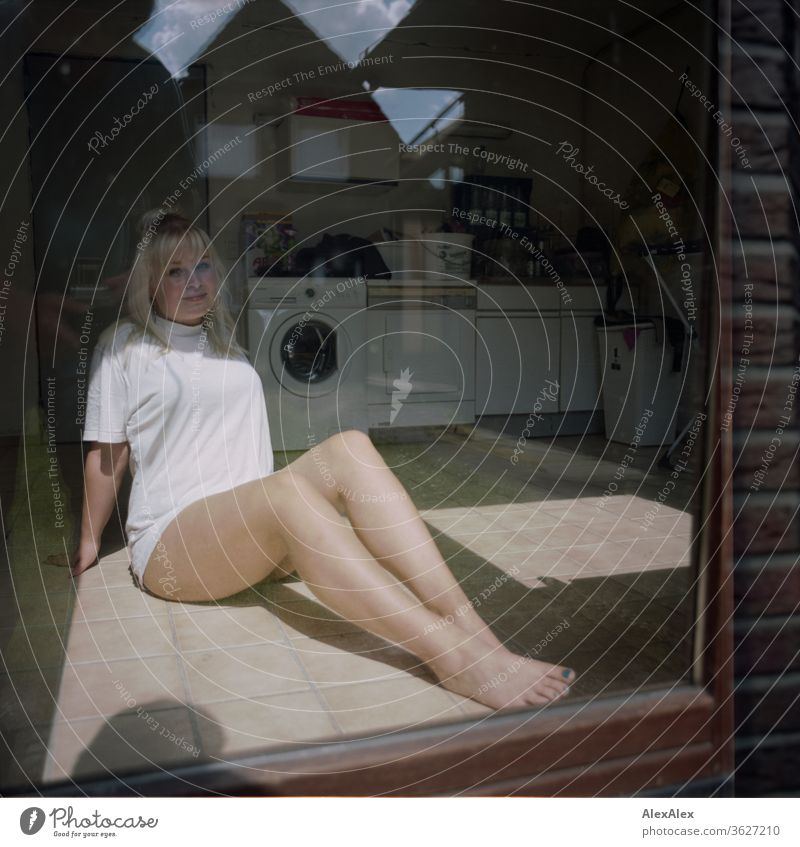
(307,354)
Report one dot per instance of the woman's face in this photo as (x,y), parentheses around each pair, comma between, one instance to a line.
(186,290)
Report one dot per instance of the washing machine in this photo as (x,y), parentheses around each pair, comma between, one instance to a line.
(308,341)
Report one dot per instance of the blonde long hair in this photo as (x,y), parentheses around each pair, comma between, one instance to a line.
(163,234)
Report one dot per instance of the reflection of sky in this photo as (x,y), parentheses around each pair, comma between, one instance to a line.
(412,110)
(339,25)
(178,31)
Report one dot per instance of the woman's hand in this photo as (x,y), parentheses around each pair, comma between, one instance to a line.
(103,472)
(85,557)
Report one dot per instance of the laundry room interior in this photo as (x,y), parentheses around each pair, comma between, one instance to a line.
(438,230)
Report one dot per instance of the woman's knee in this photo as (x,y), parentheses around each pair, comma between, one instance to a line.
(349,445)
(293,496)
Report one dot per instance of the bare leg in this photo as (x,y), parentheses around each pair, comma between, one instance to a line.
(284,514)
(350,472)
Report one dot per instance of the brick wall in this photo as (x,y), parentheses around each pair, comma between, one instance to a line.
(766,436)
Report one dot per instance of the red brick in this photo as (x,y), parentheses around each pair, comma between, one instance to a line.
(758,78)
(766,645)
(767,704)
(758,20)
(773,336)
(780,459)
(764,766)
(768,586)
(766,524)
(762,396)
(765,136)
(772,269)
(763,209)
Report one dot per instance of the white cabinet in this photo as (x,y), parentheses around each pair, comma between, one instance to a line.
(322,149)
(420,367)
(581,371)
(517,363)
(529,338)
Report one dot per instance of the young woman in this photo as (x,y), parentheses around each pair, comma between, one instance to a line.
(172,395)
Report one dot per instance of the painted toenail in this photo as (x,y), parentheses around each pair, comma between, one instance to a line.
(566,673)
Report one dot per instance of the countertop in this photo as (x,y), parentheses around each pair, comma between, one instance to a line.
(537,280)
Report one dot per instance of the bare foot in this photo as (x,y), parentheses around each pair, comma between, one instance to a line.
(501,679)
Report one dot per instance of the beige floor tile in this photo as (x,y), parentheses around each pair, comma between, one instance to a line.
(29,647)
(127,638)
(474,710)
(479,520)
(292,592)
(312,620)
(666,525)
(37,609)
(593,501)
(26,576)
(654,554)
(467,521)
(106,574)
(254,671)
(121,743)
(573,511)
(110,604)
(23,753)
(360,657)
(237,727)
(524,519)
(223,628)
(615,527)
(533,583)
(120,555)
(28,697)
(530,500)
(100,688)
(564,535)
(512,564)
(444,511)
(491,544)
(596,558)
(366,708)
(630,505)
(553,563)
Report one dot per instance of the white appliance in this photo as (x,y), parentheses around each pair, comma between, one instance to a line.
(308,341)
(421,352)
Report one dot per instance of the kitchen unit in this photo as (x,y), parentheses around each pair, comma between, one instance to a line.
(337,143)
(421,353)
(534,346)
(580,364)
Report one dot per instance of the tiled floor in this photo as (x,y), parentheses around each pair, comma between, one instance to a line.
(100,677)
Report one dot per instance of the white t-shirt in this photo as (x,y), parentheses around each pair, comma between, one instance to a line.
(196,423)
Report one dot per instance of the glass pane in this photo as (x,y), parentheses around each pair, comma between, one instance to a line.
(483,241)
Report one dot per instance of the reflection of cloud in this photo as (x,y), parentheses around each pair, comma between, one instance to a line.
(413,111)
(178,31)
(338,25)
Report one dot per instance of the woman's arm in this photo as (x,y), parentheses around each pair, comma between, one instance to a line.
(105,467)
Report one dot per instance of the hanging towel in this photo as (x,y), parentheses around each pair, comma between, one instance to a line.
(630,334)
